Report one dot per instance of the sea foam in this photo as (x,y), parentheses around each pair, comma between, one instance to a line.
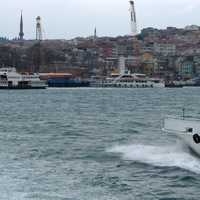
(163,156)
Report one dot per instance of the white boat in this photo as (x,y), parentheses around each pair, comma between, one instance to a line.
(187,129)
(11,79)
(125,79)
(128,81)
(157,83)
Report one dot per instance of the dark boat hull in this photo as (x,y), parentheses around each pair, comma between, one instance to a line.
(173,86)
(21,88)
(67,83)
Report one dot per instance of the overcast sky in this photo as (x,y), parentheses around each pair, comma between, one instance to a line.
(65,19)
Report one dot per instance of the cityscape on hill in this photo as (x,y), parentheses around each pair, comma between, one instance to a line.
(171,53)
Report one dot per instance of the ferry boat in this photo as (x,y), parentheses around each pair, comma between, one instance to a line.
(187,129)
(11,79)
(125,79)
(128,81)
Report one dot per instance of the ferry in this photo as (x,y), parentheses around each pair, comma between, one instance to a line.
(11,79)
(187,129)
(128,81)
(124,79)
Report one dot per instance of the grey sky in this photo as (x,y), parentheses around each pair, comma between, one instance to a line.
(70,18)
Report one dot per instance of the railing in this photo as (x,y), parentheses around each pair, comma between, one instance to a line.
(181,118)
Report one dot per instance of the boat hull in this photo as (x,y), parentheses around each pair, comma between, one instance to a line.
(67,83)
(21,88)
(103,84)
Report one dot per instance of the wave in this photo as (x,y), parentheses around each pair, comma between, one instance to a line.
(162,156)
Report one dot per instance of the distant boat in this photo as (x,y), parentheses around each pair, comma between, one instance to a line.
(124,79)
(195,82)
(128,81)
(187,129)
(11,79)
(174,84)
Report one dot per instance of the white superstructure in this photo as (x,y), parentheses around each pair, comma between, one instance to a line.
(188,129)
(128,80)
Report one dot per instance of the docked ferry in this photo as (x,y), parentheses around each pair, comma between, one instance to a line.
(128,81)
(11,79)
(125,79)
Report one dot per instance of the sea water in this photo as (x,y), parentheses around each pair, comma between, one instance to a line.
(95,144)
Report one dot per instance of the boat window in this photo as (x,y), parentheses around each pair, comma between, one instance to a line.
(189,130)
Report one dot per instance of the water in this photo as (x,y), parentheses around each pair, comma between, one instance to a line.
(95,144)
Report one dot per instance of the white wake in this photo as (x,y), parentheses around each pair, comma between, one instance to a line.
(163,156)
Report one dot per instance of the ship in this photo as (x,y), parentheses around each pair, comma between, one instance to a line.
(11,79)
(63,80)
(125,79)
(128,81)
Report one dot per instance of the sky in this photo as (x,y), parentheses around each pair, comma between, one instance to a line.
(66,19)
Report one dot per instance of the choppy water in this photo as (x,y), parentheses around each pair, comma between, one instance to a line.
(95,144)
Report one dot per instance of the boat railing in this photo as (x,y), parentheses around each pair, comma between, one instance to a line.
(180,125)
(187,118)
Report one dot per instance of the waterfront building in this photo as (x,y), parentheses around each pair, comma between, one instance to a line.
(165,49)
(197,64)
(148,63)
(192,28)
(133,64)
(185,67)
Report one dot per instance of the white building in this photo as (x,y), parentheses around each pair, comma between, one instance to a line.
(165,49)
